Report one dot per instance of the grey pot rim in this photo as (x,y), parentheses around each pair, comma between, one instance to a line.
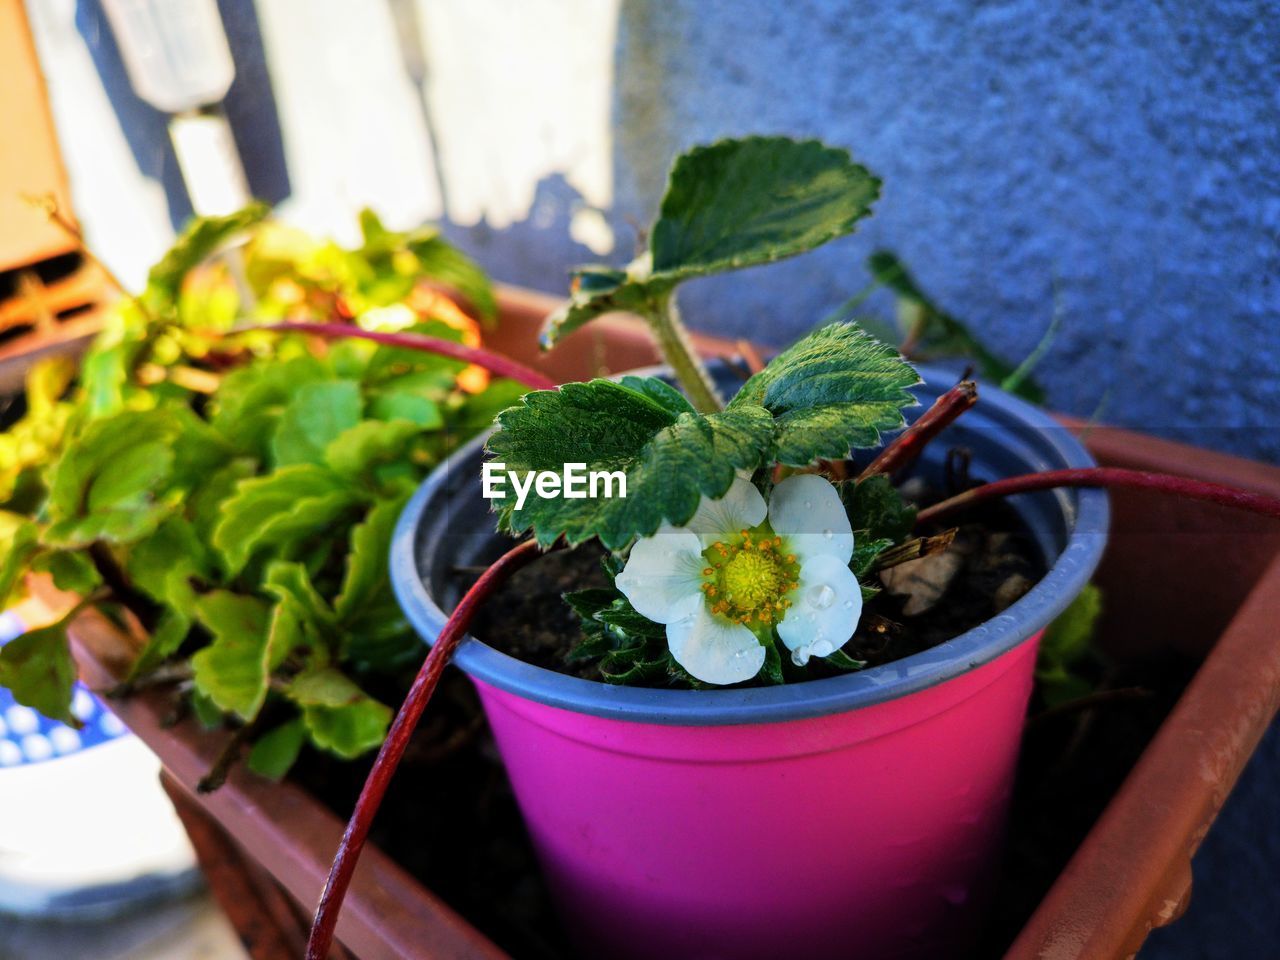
(1086,511)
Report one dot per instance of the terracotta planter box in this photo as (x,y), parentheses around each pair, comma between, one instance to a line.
(1183,578)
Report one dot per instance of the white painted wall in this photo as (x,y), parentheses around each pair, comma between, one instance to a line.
(516,91)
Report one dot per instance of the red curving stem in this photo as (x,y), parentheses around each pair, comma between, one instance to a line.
(493,362)
(1106,477)
(903,449)
(384,767)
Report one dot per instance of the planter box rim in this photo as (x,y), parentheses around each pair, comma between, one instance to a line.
(1087,513)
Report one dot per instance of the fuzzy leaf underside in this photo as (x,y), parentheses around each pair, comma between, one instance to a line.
(832,391)
(670,460)
(729,205)
(587,303)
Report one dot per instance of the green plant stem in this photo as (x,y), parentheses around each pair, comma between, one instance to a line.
(677,349)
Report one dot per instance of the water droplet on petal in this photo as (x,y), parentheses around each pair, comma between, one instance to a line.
(828,534)
(848,604)
(808,504)
(820,597)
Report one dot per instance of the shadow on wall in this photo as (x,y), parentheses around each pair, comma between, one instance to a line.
(250,108)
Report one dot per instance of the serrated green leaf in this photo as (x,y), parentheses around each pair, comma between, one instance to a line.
(738,203)
(356,451)
(278,509)
(310,618)
(865,552)
(661,392)
(832,391)
(877,511)
(234,670)
(316,416)
(366,582)
(623,616)
(275,752)
(37,668)
(340,717)
(669,460)
(111,482)
(201,237)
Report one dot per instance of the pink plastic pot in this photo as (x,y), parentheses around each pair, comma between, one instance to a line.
(859,815)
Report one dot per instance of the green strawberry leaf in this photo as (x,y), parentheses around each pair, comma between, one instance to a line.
(669,460)
(877,511)
(739,203)
(729,205)
(832,391)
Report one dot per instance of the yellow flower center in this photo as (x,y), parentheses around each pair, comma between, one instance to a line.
(749,577)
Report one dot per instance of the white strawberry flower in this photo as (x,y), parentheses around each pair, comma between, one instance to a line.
(739,570)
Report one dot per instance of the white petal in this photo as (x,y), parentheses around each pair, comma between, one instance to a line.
(807,512)
(663,575)
(714,650)
(827,604)
(740,508)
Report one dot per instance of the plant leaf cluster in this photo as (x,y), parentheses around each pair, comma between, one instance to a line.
(239,491)
(834,390)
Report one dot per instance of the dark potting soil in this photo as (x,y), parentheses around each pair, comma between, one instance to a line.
(451,821)
(998,562)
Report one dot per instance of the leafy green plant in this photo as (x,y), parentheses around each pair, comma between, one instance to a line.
(236,488)
(721,498)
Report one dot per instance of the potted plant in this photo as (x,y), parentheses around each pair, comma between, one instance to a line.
(799,812)
(219,477)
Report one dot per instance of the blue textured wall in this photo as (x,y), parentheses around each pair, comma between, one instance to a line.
(1128,152)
